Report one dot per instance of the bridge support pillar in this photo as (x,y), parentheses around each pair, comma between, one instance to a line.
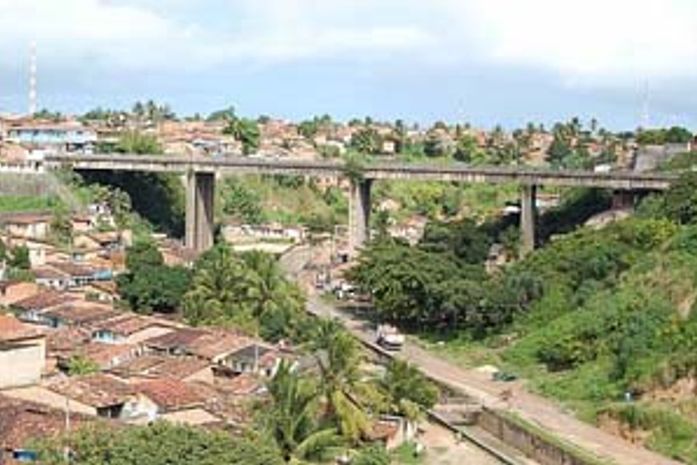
(359,215)
(528,217)
(623,200)
(200,195)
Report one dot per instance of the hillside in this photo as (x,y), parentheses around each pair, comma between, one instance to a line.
(602,320)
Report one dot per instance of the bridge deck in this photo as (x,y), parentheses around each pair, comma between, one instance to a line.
(454,172)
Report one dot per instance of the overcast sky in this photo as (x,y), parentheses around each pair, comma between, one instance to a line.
(483,61)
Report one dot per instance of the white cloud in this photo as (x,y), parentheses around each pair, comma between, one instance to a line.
(613,41)
(592,41)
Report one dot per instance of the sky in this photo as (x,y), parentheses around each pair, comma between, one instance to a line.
(485,62)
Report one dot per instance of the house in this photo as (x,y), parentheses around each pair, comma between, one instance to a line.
(39,250)
(22,423)
(129,328)
(68,136)
(77,315)
(63,343)
(105,356)
(217,345)
(81,223)
(176,401)
(152,366)
(176,342)
(104,396)
(176,254)
(14,291)
(392,431)
(31,309)
(27,225)
(78,275)
(214,345)
(244,386)
(255,358)
(49,277)
(103,241)
(22,353)
(264,232)
(102,291)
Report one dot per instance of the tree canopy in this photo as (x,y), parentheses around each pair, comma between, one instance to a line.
(159,444)
(246,290)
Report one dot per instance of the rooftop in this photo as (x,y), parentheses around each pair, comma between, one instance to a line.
(75,315)
(218,343)
(22,421)
(160,366)
(126,324)
(44,300)
(97,390)
(72,269)
(11,329)
(170,394)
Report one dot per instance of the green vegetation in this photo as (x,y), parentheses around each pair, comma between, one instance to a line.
(20,203)
(159,444)
(283,199)
(292,418)
(246,291)
(591,318)
(673,135)
(372,455)
(81,365)
(303,420)
(150,285)
(246,131)
(159,198)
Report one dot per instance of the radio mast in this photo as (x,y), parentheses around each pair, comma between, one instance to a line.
(32,79)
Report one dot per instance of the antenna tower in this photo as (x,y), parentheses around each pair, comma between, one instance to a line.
(32,80)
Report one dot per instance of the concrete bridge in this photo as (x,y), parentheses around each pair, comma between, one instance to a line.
(201,174)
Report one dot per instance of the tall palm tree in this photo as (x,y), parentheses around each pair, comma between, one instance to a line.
(338,357)
(291,418)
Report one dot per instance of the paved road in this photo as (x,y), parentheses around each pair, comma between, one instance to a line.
(531,407)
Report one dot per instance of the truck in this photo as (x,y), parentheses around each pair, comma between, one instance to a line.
(389,337)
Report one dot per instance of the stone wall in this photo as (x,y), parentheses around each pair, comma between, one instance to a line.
(526,441)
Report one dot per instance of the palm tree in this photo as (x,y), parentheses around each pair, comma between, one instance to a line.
(219,282)
(246,131)
(291,418)
(338,356)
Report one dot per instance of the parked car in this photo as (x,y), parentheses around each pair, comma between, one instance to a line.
(389,337)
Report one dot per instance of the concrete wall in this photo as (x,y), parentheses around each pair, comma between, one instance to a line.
(21,362)
(537,448)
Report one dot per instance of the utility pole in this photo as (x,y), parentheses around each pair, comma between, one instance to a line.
(32,79)
(66,451)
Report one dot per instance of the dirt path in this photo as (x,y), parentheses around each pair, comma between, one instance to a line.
(531,407)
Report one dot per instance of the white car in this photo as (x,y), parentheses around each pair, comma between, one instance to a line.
(389,337)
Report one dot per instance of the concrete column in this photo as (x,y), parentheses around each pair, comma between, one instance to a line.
(359,215)
(200,195)
(527,219)
(623,200)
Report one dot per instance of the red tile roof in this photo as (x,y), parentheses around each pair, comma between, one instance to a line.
(72,269)
(98,390)
(43,300)
(180,338)
(170,394)
(218,343)
(126,324)
(11,329)
(23,422)
(74,315)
